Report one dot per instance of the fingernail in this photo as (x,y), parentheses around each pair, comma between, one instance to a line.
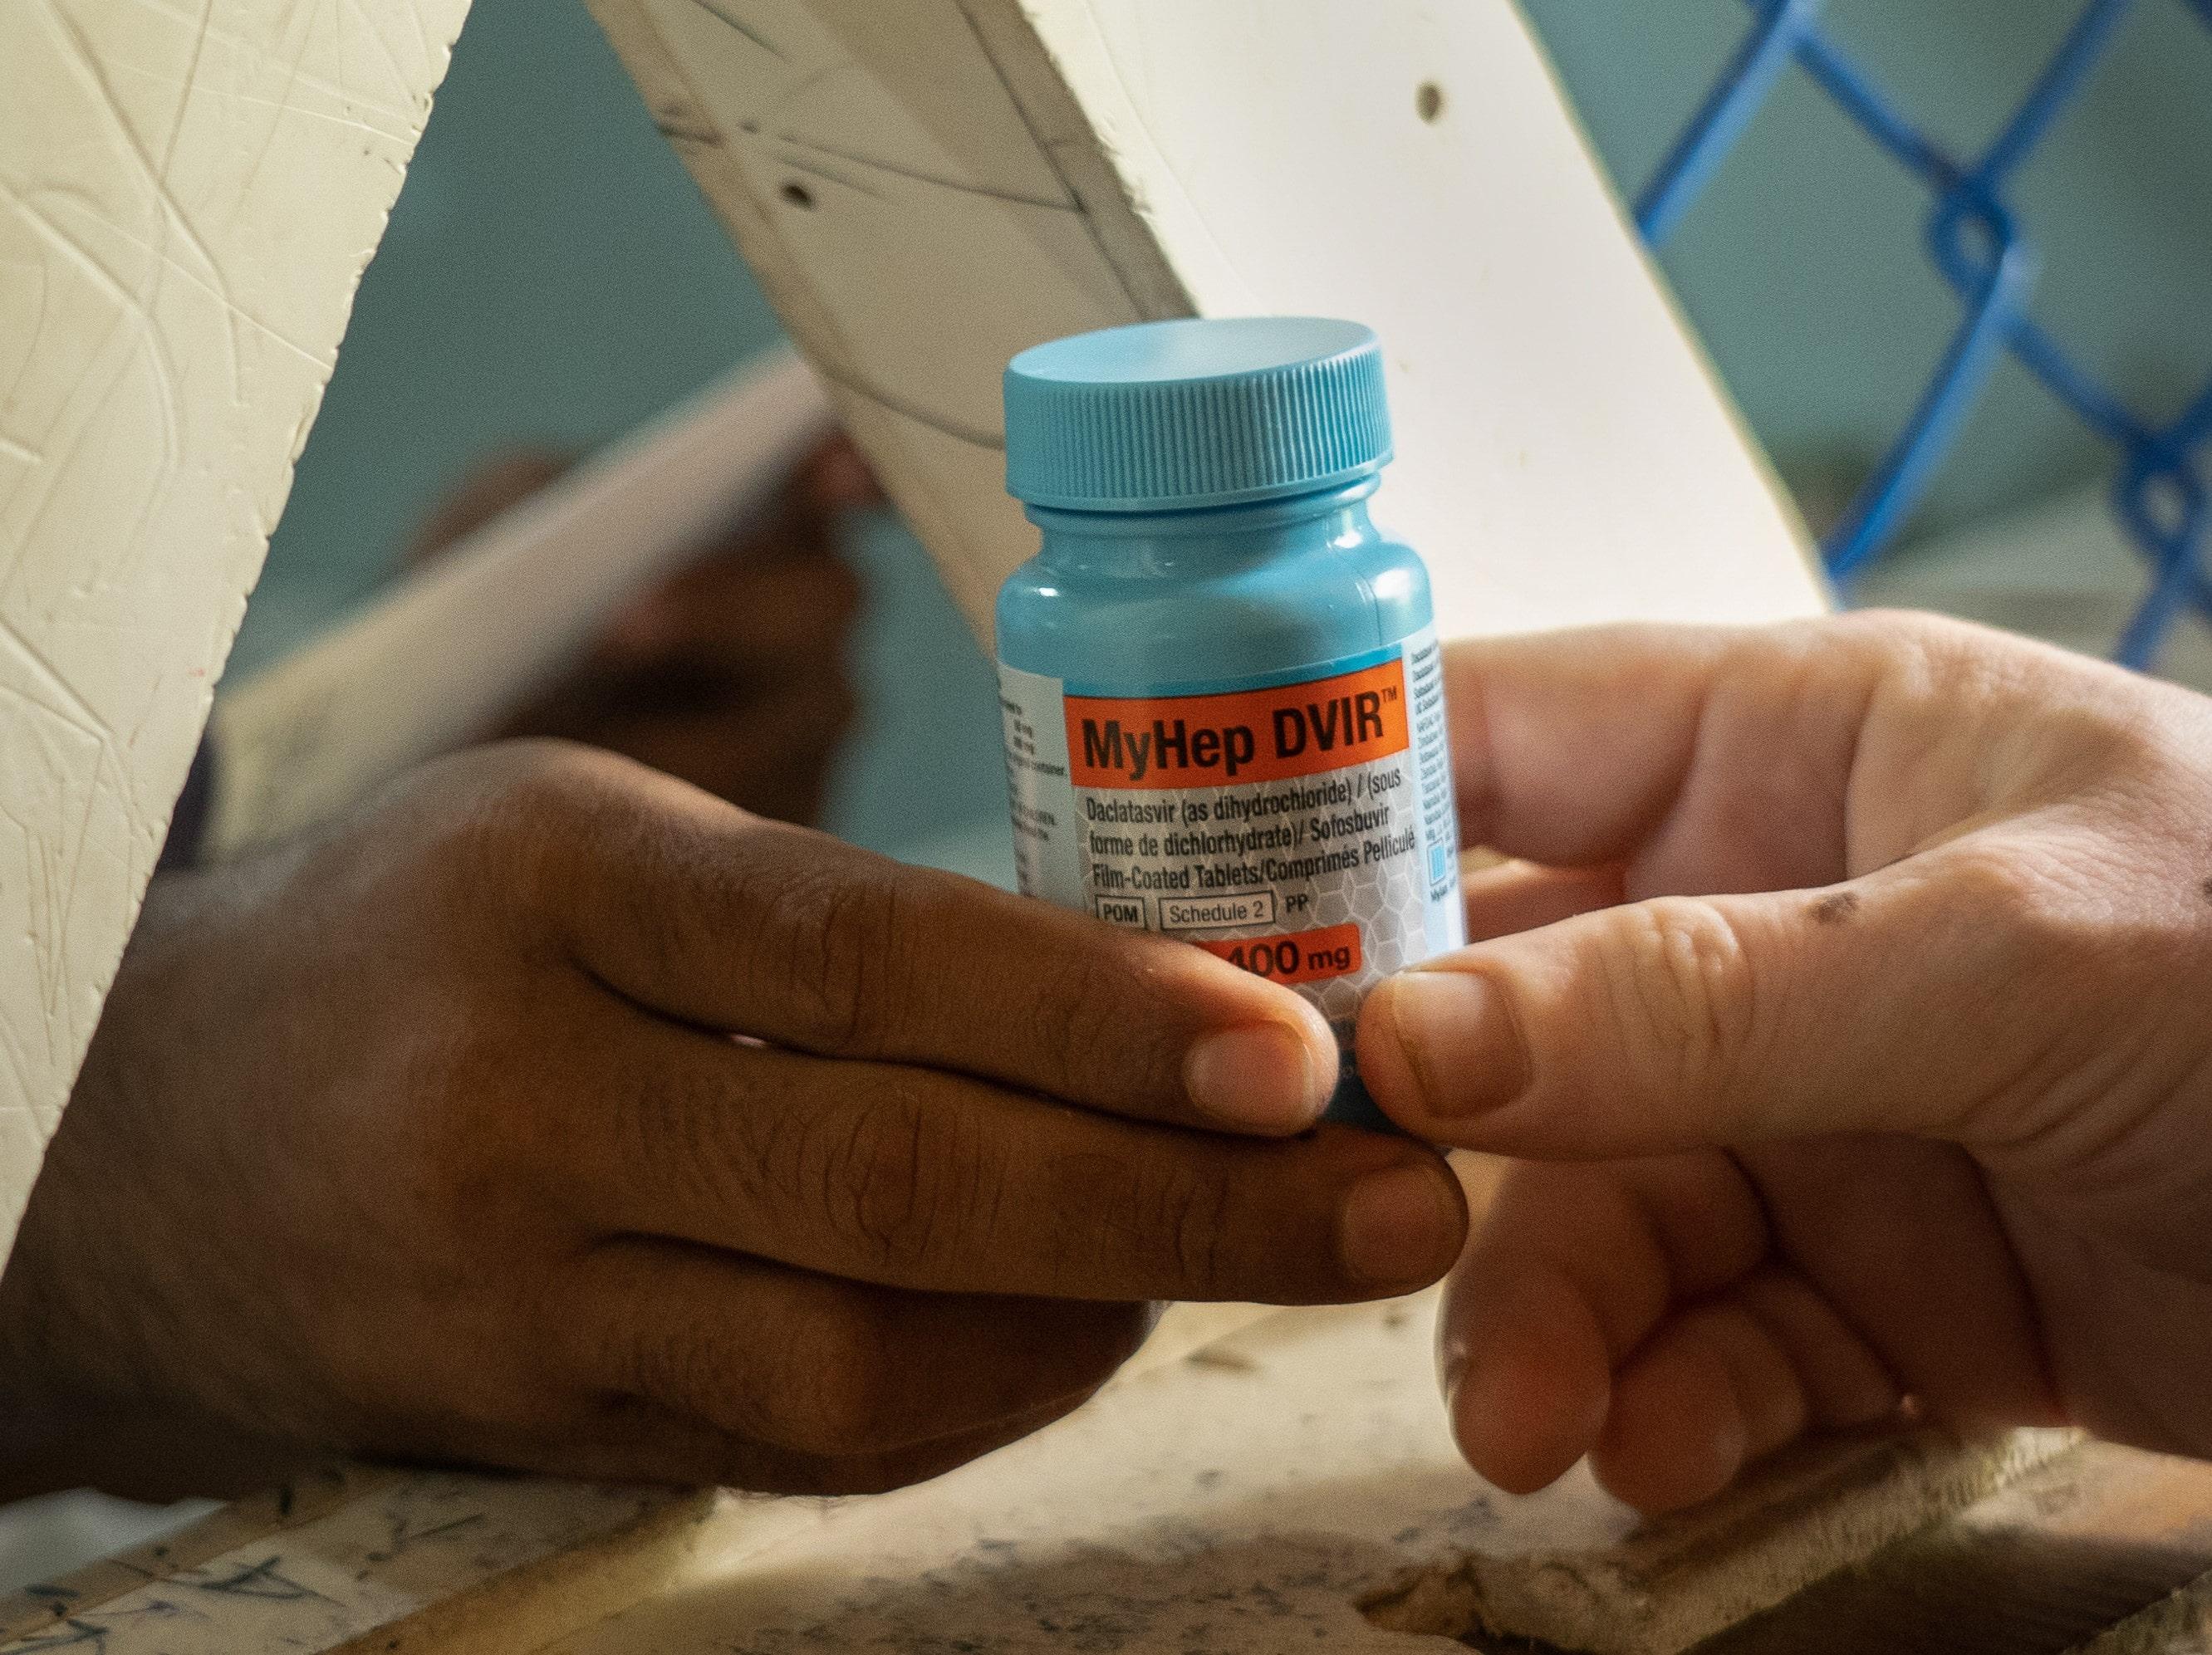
(1262,1077)
(1399,1228)
(1458,1041)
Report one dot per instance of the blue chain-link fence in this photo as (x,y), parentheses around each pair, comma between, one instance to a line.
(1989,259)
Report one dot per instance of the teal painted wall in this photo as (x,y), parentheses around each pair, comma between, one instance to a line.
(550,275)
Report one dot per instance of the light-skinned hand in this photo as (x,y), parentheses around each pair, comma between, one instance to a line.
(1849,1041)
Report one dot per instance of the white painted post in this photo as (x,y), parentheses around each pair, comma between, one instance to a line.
(188,195)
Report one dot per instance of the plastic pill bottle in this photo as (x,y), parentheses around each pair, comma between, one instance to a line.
(1220,683)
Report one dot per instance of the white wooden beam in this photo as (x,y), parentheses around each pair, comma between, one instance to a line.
(188,195)
(926,188)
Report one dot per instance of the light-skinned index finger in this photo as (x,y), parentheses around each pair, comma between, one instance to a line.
(1596,746)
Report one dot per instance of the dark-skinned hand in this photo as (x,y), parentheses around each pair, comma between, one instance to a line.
(550,1114)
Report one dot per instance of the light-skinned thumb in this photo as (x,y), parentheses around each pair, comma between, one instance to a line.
(1892,1004)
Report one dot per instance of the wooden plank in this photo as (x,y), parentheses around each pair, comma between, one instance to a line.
(1801,1519)
(2037,1567)
(371,1560)
(245,1522)
(440,657)
(188,195)
(925,189)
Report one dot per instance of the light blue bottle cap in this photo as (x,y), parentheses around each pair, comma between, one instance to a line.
(1171,416)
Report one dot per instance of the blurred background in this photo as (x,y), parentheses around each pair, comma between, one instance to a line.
(552,277)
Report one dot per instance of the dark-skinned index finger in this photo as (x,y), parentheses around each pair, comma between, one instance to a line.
(694,910)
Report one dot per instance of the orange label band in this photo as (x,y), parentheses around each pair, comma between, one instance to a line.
(1246,736)
(1310,956)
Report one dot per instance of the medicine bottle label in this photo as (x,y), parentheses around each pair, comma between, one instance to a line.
(1298,825)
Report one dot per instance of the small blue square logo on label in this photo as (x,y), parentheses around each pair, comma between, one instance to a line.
(1439,863)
